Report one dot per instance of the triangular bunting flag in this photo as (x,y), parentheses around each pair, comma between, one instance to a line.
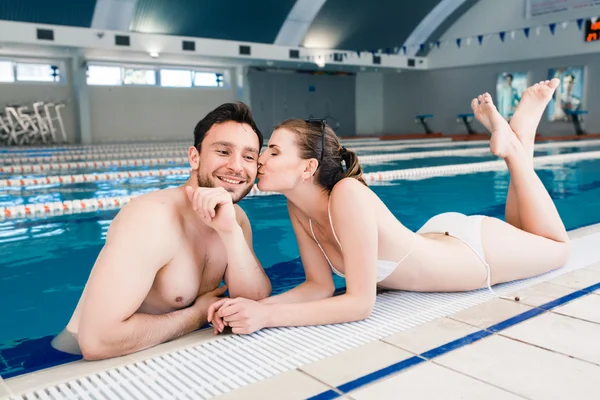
(480,39)
(404,49)
(526,32)
(552,28)
(502,34)
(458,42)
(580,23)
(422,47)
(438,44)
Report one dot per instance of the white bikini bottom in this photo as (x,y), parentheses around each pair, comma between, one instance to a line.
(465,228)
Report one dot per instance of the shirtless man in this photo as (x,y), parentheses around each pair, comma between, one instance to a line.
(167,251)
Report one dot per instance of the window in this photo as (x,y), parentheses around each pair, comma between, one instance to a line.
(7,73)
(169,77)
(208,79)
(175,78)
(103,75)
(139,77)
(38,72)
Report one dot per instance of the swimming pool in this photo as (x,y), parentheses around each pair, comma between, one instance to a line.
(46,261)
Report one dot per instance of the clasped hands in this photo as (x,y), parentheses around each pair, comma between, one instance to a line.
(242,315)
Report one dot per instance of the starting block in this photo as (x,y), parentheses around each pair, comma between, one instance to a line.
(422,120)
(466,119)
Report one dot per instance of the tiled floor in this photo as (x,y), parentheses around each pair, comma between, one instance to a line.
(3,389)
(554,355)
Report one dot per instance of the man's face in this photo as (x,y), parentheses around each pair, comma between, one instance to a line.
(228,159)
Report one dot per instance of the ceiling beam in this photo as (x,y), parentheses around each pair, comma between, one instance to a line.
(297,23)
(114,15)
(435,23)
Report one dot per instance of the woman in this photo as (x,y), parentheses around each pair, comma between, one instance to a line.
(341,225)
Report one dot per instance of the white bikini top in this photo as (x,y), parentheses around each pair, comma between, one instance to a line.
(384,267)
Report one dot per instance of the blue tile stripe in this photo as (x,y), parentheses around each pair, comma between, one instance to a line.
(330,394)
(458,343)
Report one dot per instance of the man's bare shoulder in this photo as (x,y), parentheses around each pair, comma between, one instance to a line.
(152,213)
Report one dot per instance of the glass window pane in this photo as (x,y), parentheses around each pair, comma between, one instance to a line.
(103,75)
(175,78)
(209,79)
(139,77)
(37,72)
(6,71)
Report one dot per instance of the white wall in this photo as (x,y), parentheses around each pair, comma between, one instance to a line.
(369,103)
(137,113)
(492,16)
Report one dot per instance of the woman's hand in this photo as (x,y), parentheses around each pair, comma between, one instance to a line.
(242,315)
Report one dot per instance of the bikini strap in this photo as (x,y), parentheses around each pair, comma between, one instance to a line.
(322,250)
(331,223)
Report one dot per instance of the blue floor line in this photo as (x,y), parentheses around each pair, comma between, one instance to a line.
(456,344)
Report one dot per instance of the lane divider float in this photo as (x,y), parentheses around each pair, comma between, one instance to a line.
(107,203)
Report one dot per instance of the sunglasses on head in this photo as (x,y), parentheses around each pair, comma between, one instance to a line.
(322,123)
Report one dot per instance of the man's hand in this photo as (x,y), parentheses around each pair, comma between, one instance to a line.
(242,315)
(204,301)
(215,207)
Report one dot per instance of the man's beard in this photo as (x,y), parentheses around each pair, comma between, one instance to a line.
(205,181)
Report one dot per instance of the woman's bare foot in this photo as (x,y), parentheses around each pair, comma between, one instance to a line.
(530,109)
(504,142)
(480,115)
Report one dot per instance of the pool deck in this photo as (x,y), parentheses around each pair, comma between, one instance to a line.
(548,352)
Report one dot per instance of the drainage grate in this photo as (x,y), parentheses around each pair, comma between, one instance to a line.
(216,367)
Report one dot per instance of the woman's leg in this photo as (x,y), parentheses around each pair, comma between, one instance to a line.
(514,254)
(524,124)
(537,213)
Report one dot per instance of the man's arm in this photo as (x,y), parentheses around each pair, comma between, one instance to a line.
(244,275)
(139,243)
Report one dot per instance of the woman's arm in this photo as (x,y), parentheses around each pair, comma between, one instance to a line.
(318,283)
(356,227)
(355,224)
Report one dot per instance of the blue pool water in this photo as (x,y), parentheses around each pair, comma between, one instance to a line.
(45,263)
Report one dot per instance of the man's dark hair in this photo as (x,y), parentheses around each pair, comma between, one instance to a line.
(237,112)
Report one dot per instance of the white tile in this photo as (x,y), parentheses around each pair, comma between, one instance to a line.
(355,363)
(489,313)
(525,369)
(562,334)
(577,279)
(541,293)
(290,385)
(584,231)
(594,267)
(586,308)
(430,381)
(4,393)
(430,335)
